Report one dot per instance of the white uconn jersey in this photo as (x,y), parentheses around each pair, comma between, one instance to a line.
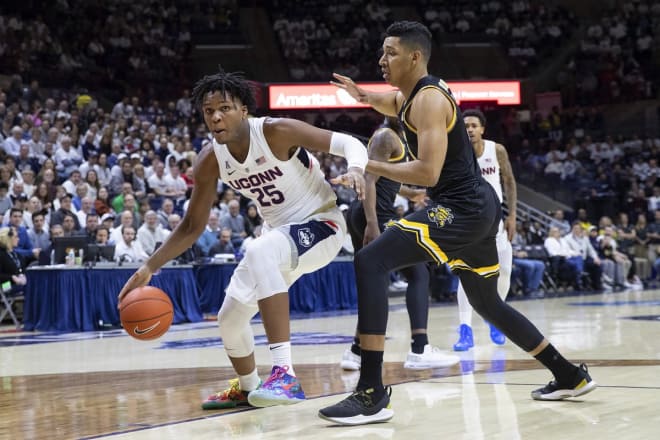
(285,191)
(490,167)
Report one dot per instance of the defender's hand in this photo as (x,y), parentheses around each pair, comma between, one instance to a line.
(140,278)
(346,83)
(353,178)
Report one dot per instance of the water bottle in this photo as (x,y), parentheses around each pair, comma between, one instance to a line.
(70,258)
(79,258)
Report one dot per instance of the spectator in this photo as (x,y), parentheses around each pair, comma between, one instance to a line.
(531,273)
(560,222)
(101,204)
(39,236)
(125,220)
(166,209)
(91,225)
(5,201)
(127,248)
(66,157)
(24,245)
(151,233)
(224,244)
(235,222)
(561,266)
(210,236)
(584,257)
(69,225)
(64,209)
(71,184)
(11,263)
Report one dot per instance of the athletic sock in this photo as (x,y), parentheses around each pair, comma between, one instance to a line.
(355,348)
(371,373)
(249,382)
(419,341)
(564,371)
(280,354)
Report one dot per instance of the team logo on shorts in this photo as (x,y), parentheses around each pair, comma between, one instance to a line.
(305,237)
(440,215)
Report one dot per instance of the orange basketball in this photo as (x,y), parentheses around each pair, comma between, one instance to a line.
(146,313)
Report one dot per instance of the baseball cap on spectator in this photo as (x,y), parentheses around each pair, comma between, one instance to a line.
(122,156)
(136,156)
(107,216)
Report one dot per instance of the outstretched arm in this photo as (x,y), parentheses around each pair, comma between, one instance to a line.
(510,190)
(387,103)
(193,223)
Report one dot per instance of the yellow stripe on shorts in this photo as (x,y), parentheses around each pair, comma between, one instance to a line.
(486,271)
(421,231)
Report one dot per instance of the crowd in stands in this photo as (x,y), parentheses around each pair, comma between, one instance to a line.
(614,59)
(529,31)
(319,37)
(144,45)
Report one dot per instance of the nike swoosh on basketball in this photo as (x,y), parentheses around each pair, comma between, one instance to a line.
(146,330)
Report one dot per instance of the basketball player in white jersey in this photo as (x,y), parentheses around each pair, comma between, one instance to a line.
(264,159)
(496,170)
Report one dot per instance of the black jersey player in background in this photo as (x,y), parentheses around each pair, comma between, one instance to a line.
(457,227)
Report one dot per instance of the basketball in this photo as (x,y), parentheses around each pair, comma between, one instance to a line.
(146,313)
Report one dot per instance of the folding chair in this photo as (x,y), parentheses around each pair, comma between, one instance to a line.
(7,300)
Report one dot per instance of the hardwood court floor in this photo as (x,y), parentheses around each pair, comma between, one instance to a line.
(106,385)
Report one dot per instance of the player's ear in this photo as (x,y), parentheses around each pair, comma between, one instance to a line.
(244,111)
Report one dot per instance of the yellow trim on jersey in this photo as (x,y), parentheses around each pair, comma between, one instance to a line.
(452,123)
(486,271)
(423,238)
(403,146)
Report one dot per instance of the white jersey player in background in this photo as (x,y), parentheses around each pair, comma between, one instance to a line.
(264,159)
(495,169)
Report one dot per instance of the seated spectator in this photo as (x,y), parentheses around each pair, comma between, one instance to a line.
(560,222)
(33,205)
(5,200)
(531,273)
(165,211)
(128,249)
(118,200)
(561,267)
(71,184)
(64,209)
(124,177)
(252,217)
(160,183)
(86,208)
(91,225)
(235,222)
(39,236)
(584,257)
(24,246)
(102,204)
(67,158)
(210,235)
(69,225)
(108,222)
(151,233)
(173,221)
(11,263)
(102,236)
(126,219)
(224,244)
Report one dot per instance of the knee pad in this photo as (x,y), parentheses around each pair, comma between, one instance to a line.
(235,331)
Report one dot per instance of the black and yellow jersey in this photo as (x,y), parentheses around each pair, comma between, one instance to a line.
(460,177)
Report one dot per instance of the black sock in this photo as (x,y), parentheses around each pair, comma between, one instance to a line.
(371,373)
(419,340)
(355,348)
(564,371)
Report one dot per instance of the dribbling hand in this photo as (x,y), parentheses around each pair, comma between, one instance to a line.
(353,178)
(346,83)
(140,278)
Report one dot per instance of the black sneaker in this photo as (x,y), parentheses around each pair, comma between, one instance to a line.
(555,391)
(360,409)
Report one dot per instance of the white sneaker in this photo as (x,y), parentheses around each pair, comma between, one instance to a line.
(399,285)
(432,357)
(350,361)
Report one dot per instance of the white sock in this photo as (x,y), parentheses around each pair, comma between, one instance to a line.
(280,354)
(250,381)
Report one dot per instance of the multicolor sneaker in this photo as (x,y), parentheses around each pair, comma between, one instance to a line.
(359,409)
(465,340)
(555,391)
(229,398)
(432,357)
(350,361)
(496,335)
(279,389)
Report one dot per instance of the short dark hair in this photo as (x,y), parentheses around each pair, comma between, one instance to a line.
(475,113)
(37,214)
(413,34)
(13,210)
(232,83)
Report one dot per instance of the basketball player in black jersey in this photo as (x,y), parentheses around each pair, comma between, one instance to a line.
(457,227)
(366,220)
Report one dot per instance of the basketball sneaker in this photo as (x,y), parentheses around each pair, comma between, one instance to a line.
(496,335)
(229,398)
(465,339)
(359,409)
(350,361)
(432,357)
(279,389)
(582,384)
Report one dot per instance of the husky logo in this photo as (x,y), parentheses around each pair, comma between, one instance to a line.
(440,215)
(305,237)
